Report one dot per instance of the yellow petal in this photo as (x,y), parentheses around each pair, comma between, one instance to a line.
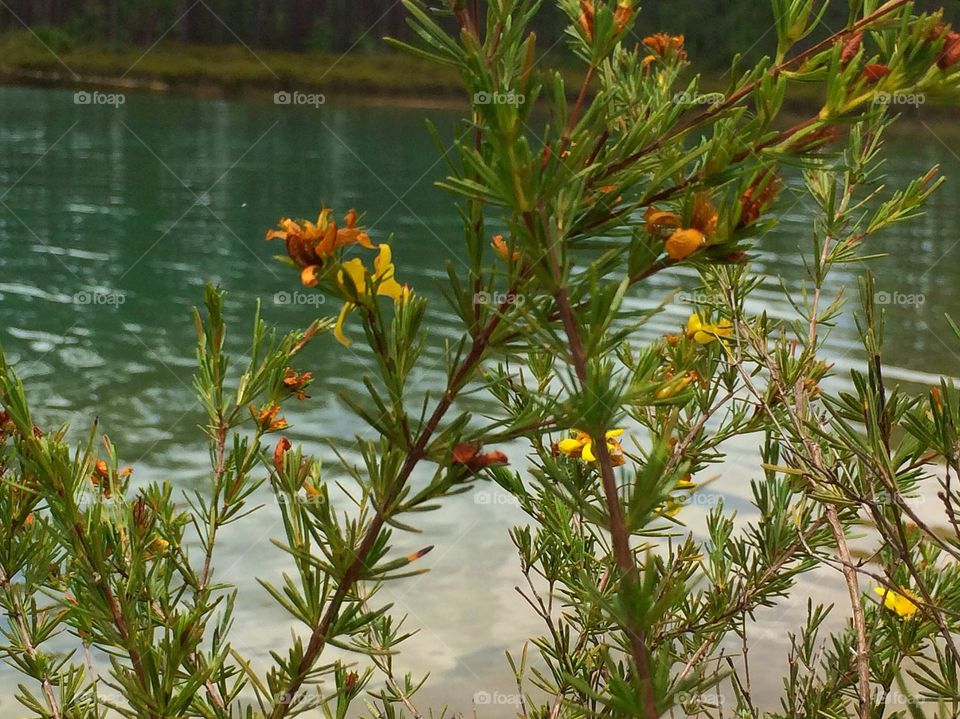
(902,604)
(383,264)
(614,433)
(569,446)
(392,289)
(323,219)
(694,323)
(588,451)
(357,273)
(724,329)
(341,318)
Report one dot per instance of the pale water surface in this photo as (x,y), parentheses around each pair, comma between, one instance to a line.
(147,202)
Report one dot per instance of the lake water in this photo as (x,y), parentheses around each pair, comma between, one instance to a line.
(139,206)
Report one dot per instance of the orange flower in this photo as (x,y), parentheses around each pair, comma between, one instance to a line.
(141,513)
(586,18)
(101,477)
(685,242)
(283,446)
(950,55)
(665,47)
(350,682)
(310,244)
(266,418)
(501,248)
(659,220)
(297,383)
(622,15)
(703,224)
(468,453)
(875,72)
(704,217)
(851,47)
(757,197)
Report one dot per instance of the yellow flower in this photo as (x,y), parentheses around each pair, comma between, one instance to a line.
(904,602)
(159,544)
(676,385)
(670,508)
(381,280)
(581,446)
(703,333)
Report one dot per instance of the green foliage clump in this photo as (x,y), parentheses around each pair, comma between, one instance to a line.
(564,215)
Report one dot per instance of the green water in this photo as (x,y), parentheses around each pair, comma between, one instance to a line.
(138,206)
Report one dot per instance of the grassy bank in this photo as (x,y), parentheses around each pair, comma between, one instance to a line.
(235,70)
(228,70)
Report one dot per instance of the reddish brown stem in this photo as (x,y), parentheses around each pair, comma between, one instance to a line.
(318,638)
(620,536)
(749,88)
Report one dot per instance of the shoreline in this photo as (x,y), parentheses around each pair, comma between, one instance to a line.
(235,72)
(212,90)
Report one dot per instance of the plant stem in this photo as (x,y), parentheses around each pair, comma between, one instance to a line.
(620,536)
(319,635)
(750,87)
(28,647)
